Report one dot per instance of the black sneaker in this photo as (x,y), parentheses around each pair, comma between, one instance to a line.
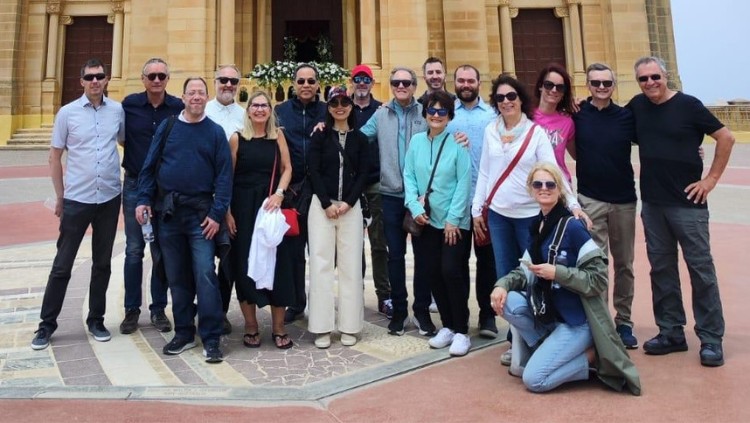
(99,332)
(424,324)
(160,321)
(130,322)
(41,339)
(398,323)
(213,353)
(291,314)
(662,344)
(627,337)
(712,355)
(226,327)
(178,345)
(385,307)
(488,328)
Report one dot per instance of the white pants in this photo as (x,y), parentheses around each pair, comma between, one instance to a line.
(336,242)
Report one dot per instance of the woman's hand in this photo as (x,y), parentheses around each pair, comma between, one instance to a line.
(497,300)
(452,234)
(479,228)
(231,225)
(544,270)
(578,213)
(422,219)
(332,212)
(343,208)
(273,203)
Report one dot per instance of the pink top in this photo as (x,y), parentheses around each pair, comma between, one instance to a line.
(560,130)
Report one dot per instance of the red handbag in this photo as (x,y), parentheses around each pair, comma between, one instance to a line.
(291,215)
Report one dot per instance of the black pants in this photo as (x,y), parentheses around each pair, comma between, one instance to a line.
(485,280)
(298,270)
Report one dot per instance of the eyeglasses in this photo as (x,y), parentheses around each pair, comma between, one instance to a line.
(549,85)
(550,185)
(225,79)
(196,94)
(152,76)
(511,96)
(405,82)
(310,81)
(259,106)
(597,83)
(362,80)
(90,76)
(654,77)
(440,112)
(340,102)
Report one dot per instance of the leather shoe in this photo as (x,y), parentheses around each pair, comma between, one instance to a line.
(663,344)
(712,355)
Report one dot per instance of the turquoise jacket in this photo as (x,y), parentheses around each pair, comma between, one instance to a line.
(450,199)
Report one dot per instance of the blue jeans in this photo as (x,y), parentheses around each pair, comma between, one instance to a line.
(189,263)
(560,358)
(134,248)
(395,236)
(75,219)
(665,228)
(510,238)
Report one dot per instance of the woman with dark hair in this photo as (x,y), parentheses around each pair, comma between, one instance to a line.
(555,104)
(338,165)
(441,252)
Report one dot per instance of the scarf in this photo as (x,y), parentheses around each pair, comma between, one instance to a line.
(550,223)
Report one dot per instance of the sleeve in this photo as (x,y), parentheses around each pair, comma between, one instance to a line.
(513,281)
(60,129)
(589,276)
(223,178)
(461,196)
(482,175)
(704,120)
(411,189)
(314,163)
(147,176)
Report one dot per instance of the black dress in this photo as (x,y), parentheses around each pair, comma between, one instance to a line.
(252,176)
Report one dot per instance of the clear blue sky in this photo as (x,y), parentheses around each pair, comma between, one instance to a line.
(713,48)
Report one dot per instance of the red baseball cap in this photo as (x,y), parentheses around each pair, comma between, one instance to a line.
(362,69)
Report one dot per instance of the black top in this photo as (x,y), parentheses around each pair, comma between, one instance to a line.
(363,114)
(668,136)
(324,163)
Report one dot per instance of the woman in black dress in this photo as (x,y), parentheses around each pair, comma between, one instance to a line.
(258,153)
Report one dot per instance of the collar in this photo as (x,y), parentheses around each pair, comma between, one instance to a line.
(181,117)
(481,105)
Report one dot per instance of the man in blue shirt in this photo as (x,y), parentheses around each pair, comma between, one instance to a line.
(144,112)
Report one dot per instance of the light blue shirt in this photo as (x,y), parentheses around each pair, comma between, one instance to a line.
(90,135)
(472,122)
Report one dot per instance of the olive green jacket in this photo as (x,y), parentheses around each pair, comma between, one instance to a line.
(589,280)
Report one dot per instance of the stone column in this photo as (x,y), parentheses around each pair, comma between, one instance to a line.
(117,9)
(576,42)
(53,10)
(368,32)
(226,32)
(506,38)
(260,34)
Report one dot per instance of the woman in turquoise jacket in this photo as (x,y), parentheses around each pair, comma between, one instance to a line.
(441,252)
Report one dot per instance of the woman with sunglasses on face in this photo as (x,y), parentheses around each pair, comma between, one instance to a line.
(441,252)
(260,155)
(338,166)
(555,104)
(580,335)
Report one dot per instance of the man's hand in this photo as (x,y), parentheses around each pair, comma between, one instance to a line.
(461,139)
(580,214)
(139,214)
(497,300)
(698,191)
(210,228)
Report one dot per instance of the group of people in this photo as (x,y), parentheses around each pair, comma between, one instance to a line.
(464,171)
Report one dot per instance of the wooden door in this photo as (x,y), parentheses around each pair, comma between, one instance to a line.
(537,40)
(86,38)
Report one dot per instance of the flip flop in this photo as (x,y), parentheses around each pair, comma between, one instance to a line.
(284,337)
(251,340)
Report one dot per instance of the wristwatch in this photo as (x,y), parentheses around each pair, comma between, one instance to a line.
(280,192)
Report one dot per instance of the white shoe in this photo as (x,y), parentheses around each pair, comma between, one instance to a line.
(443,338)
(506,357)
(323,340)
(348,340)
(460,345)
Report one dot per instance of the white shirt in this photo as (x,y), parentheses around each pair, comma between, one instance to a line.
(90,135)
(231,118)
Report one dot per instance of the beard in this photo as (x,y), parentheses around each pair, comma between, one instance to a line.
(468,94)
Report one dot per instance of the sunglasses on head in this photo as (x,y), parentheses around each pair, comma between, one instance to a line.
(396,82)
(654,77)
(597,83)
(90,76)
(310,81)
(152,76)
(440,112)
(362,79)
(511,96)
(340,101)
(549,85)
(225,79)
(544,184)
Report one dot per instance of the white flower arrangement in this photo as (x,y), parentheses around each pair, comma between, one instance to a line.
(268,75)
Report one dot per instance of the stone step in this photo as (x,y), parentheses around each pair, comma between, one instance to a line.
(31,138)
(25,141)
(24,147)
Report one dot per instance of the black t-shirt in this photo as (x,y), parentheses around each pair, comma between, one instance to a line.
(668,136)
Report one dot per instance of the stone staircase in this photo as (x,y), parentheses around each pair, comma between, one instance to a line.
(30,139)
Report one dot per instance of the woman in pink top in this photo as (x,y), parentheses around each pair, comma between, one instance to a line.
(555,99)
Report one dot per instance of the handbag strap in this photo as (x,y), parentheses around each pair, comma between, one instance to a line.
(345,157)
(510,167)
(437,160)
(561,226)
(273,170)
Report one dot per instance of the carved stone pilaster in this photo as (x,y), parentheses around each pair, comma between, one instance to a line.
(502,3)
(117,6)
(562,12)
(513,12)
(53,7)
(66,20)
(111,19)
(572,2)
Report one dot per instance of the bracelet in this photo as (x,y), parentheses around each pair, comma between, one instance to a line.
(279,192)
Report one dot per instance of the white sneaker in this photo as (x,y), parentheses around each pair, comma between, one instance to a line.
(348,340)
(443,338)
(506,357)
(323,340)
(460,345)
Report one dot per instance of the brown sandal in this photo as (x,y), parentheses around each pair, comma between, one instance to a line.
(251,340)
(279,337)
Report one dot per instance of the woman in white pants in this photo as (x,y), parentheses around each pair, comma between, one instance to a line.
(338,166)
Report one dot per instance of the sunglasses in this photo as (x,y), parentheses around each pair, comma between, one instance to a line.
(259,106)
(654,77)
(549,85)
(362,79)
(152,76)
(440,112)
(544,184)
(90,76)
(405,82)
(340,102)
(225,79)
(310,81)
(511,96)
(597,83)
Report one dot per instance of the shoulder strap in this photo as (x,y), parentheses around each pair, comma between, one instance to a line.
(346,158)
(170,123)
(510,167)
(434,167)
(561,226)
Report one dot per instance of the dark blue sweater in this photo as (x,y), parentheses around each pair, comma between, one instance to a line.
(298,121)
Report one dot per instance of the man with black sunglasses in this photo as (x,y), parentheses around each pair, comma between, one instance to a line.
(670,126)
(223,109)
(144,112)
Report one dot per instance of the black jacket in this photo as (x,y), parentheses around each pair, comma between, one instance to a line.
(323,163)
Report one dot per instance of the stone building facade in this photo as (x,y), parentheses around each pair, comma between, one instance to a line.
(43,43)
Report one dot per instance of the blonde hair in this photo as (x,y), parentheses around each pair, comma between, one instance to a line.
(556,174)
(272,130)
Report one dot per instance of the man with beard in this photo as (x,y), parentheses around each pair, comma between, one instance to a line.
(434,76)
(472,117)
(223,109)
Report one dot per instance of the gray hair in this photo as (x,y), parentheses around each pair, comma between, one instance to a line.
(222,67)
(650,59)
(153,60)
(599,67)
(405,69)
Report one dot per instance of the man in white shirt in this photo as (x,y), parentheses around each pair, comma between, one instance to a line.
(223,109)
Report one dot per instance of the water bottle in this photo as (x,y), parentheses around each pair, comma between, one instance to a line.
(147,228)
